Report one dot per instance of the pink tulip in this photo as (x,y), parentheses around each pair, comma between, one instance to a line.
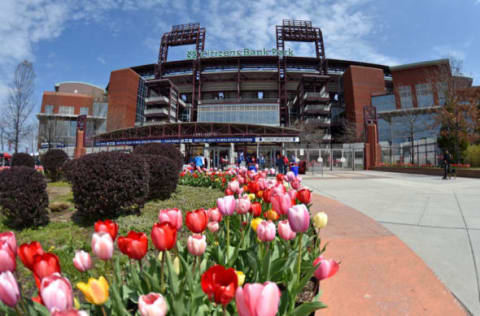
(325,268)
(214,215)
(56,292)
(285,231)
(9,237)
(70,312)
(234,186)
(266,231)
(293,194)
(226,205)
(258,299)
(242,205)
(172,215)
(278,189)
(102,245)
(262,184)
(281,203)
(196,244)
(7,257)
(9,292)
(152,304)
(296,184)
(82,261)
(290,176)
(298,218)
(213,226)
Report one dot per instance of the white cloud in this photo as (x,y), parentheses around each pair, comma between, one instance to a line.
(101,60)
(445,51)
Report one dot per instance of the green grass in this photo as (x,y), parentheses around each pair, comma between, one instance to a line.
(62,236)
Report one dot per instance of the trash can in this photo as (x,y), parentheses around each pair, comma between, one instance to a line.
(294,169)
(252,167)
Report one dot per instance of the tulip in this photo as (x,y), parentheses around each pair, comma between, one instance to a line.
(134,245)
(281,203)
(102,245)
(325,268)
(44,265)
(320,220)
(296,184)
(228,192)
(82,261)
(266,231)
(56,292)
(293,194)
(70,312)
(253,187)
(196,221)
(96,291)
(240,277)
(267,195)
(304,196)
(285,231)
(164,236)
(290,176)
(280,177)
(242,205)
(258,299)
(27,252)
(226,205)
(298,218)
(9,292)
(152,304)
(219,284)
(214,215)
(107,226)
(213,226)
(234,186)
(256,209)
(7,257)
(272,215)
(172,215)
(196,244)
(9,238)
(255,222)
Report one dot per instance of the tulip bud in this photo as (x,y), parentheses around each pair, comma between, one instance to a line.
(226,205)
(7,257)
(299,218)
(255,222)
(266,231)
(325,268)
(255,299)
(69,312)
(285,231)
(242,205)
(9,238)
(82,261)
(320,220)
(240,277)
(196,244)
(213,226)
(172,215)
(56,292)
(152,304)
(102,245)
(9,292)
(95,291)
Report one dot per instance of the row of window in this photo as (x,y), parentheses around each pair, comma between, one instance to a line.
(399,129)
(99,109)
(424,94)
(265,114)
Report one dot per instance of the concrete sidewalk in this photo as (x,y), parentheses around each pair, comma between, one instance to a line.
(438,219)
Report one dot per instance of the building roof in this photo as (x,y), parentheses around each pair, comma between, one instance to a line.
(443,61)
(80,82)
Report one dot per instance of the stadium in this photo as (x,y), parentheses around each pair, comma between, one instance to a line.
(262,100)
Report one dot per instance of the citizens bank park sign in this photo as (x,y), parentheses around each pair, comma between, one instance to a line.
(191,54)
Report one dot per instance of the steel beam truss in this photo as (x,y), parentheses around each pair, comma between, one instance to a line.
(296,31)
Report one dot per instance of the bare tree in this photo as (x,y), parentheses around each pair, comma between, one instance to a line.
(349,133)
(19,105)
(311,133)
(48,131)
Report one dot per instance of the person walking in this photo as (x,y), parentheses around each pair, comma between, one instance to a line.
(446,164)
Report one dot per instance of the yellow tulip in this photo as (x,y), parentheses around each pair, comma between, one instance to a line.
(251,196)
(176,265)
(320,220)
(255,222)
(240,277)
(96,291)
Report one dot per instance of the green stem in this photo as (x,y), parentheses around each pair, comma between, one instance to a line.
(267,255)
(299,259)
(103,311)
(228,238)
(224,311)
(162,270)
(18,310)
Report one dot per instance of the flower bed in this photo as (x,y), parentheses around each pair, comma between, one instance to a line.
(251,254)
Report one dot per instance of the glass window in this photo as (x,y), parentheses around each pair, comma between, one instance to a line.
(73,128)
(83,111)
(442,88)
(265,114)
(48,109)
(424,94)
(66,110)
(383,103)
(260,94)
(405,93)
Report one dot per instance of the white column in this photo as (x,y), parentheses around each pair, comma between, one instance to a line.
(207,156)
(232,154)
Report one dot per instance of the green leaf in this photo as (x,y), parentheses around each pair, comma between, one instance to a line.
(307,308)
(172,276)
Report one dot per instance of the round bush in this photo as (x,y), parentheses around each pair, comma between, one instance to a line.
(159,149)
(22,159)
(52,162)
(163,176)
(67,169)
(23,197)
(108,183)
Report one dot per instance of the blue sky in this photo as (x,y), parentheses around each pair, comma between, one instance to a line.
(84,40)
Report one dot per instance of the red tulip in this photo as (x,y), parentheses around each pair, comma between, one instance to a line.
(293,194)
(325,268)
(107,226)
(9,237)
(304,196)
(281,203)
(256,209)
(196,220)
(220,284)
(228,191)
(134,245)
(45,265)
(172,215)
(214,215)
(279,177)
(8,260)
(27,252)
(253,187)
(267,195)
(164,236)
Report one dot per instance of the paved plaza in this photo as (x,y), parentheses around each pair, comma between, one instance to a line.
(438,219)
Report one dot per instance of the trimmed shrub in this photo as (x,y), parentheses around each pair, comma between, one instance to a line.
(472,155)
(23,197)
(52,162)
(106,184)
(22,159)
(163,176)
(159,149)
(67,169)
